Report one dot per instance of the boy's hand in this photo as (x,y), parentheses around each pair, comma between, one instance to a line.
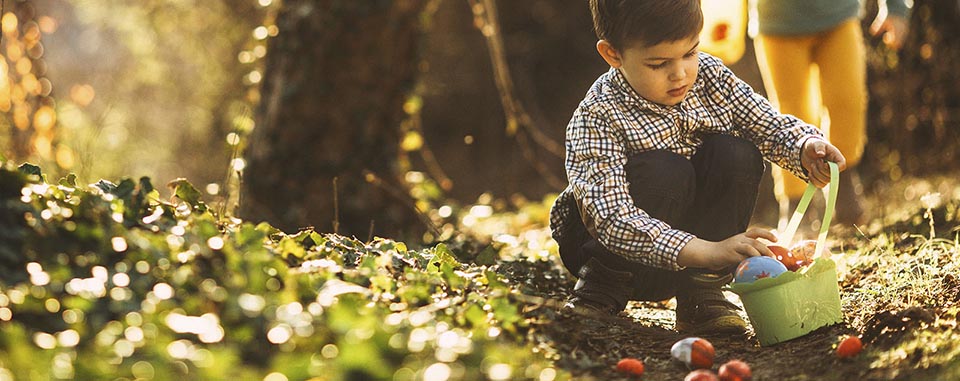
(729,252)
(814,157)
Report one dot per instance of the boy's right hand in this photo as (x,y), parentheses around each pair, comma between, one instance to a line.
(701,253)
(815,154)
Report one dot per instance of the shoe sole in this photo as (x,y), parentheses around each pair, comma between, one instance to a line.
(723,324)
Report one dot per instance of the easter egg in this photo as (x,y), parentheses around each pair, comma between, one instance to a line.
(849,347)
(630,366)
(784,255)
(754,268)
(701,375)
(735,370)
(804,251)
(697,353)
(778,250)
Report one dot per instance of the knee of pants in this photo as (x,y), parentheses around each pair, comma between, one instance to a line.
(733,156)
(661,174)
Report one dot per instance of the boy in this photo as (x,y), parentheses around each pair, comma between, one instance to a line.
(664,159)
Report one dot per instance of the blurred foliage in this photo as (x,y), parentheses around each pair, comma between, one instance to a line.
(107,281)
(28,125)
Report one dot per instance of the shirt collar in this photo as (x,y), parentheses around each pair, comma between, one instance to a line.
(630,95)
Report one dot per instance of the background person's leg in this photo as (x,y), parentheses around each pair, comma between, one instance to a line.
(841,56)
(790,78)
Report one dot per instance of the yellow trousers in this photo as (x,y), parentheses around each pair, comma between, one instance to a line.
(821,79)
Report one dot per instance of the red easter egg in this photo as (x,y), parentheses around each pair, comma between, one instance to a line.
(849,347)
(697,353)
(735,370)
(778,250)
(631,366)
(701,375)
(785,256)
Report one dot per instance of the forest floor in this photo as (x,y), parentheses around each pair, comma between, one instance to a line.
(899,293)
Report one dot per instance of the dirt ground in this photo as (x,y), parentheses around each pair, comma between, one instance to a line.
(901,342)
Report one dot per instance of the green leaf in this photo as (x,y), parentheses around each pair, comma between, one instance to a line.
(493,280)
(288,246)
(105,186)
(251,235)
(145,185)
(185,191)
(475,316)
(266,229)
(69,181)
(505,312)
(487,257)
(442,256)
(124,189)
(29,169)
(307,238)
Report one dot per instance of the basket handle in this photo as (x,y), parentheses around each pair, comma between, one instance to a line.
(831,193)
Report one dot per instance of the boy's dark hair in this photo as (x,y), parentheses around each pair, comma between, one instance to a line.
(649,22)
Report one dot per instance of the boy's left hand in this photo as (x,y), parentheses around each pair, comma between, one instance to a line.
(814,157)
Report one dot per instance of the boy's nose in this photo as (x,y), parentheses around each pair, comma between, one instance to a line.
(678,73)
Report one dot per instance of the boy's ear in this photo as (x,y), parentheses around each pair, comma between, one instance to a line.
(609,54)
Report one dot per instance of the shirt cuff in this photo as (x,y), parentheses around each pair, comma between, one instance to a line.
(801,171)
(669,243)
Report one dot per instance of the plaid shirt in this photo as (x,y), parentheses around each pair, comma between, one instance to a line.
(613,123)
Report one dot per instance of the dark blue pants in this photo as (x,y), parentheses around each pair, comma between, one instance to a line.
(711,195)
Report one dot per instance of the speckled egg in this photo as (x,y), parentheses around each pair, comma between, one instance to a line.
(754,268)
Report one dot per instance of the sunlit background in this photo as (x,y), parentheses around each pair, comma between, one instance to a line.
(131,88)
(170,89)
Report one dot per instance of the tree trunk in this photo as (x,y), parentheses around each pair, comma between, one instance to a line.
(335,82)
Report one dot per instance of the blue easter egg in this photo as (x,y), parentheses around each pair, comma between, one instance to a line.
(754,268)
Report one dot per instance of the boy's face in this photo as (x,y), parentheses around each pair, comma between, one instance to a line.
(661,73)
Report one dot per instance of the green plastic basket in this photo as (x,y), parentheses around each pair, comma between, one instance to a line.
(794,304)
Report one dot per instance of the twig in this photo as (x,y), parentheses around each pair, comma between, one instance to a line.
(234,155)
(239,193)
(336,207)
(517,116)
(433,165)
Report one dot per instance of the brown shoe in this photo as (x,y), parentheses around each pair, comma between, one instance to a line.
(600,289)
(703,309)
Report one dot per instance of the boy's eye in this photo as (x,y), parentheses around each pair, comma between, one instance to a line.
(659,65)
